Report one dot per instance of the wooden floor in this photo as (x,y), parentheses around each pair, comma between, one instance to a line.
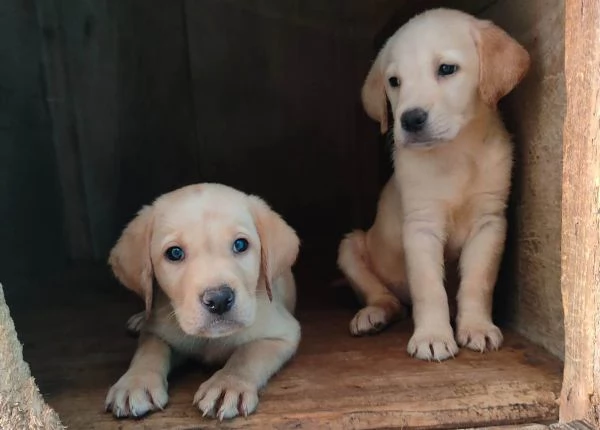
(75,341)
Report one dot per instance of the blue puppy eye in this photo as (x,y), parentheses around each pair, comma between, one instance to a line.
(447,69)
(240,245)
(174,253)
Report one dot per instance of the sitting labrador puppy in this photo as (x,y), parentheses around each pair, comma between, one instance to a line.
(443,73)
(225,294)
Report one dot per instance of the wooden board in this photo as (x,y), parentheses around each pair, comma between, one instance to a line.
(580,398)
(29,185)
(77,347)
(530,295)
(276,88)
(118,78)
(148,95)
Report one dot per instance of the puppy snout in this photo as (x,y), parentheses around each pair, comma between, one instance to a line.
(413,120)
(218,300)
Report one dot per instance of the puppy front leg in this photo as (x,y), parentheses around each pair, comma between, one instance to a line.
(233,390)
(143,387)
(479,264)
(433,338)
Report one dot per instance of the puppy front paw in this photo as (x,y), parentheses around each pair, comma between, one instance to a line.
(226,396)
(370,319)
(137,393)
(479,335)
(433,344)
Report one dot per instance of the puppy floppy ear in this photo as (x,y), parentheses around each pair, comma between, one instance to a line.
(130,257)
(279,243)
(373,94)
(503,62)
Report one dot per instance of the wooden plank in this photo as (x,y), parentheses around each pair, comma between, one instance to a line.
(274,123)
(90,47)
(335,382)
(514,427)
(30,205)
(157,142)
(65,136)
(580,397)
(123,113)
(573,425)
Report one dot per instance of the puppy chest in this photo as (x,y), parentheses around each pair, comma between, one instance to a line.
(459,223)
(208,351)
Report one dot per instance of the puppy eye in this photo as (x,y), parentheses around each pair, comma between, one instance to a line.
(394,82)
(447,69)
(240,245)
(174,253)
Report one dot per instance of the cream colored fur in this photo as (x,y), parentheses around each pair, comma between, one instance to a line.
(447,197)
(253,339)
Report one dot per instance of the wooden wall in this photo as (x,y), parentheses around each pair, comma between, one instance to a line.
(531,286)
(157,94)
(31,237)
(261,95)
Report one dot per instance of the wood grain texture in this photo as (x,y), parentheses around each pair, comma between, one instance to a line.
(90,49)
(514,427)
(276,89)
(276,95)
(29,185)
(580,398)
(118,83)
(572,425)
(157,145)
(77,347)
(59,97)
(147,96)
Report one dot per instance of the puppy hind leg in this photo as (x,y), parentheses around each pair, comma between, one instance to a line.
(135,323)
(381,305)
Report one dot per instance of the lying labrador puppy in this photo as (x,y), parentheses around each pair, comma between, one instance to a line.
(225,294)
(443,73)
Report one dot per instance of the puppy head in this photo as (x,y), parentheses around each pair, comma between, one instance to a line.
(212,250)
(438,70)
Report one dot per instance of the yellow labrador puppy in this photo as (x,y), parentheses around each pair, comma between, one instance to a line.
(225,294)
(443,73)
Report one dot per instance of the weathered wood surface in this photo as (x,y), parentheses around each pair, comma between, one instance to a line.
(529,293)
(29,186)
(263,95)
(572,425)
(124,129)
(75,211)
(77,347)
(580,398)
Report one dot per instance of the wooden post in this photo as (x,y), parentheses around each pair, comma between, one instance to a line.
(580,397)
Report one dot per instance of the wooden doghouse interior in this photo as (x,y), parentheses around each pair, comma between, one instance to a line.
(111,103)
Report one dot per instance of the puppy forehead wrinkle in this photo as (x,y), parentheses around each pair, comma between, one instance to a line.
(437,28)
(203,206)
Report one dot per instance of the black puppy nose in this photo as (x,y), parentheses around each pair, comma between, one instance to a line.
(218,300)
(413,120)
